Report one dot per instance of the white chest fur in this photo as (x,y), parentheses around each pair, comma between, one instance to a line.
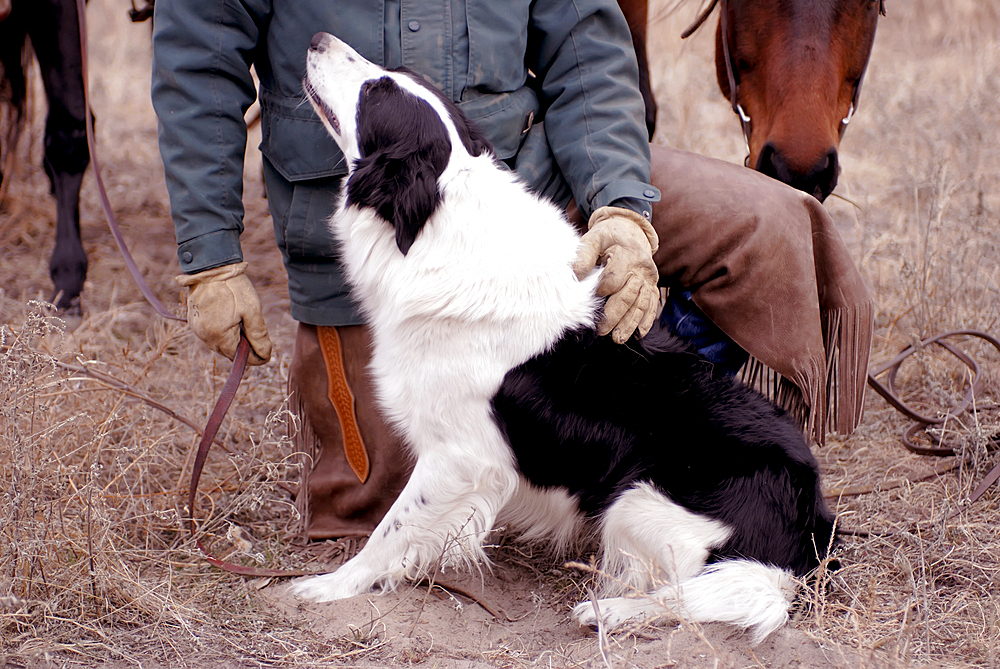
(482,289)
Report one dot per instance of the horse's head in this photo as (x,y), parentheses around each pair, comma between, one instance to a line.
(792,70)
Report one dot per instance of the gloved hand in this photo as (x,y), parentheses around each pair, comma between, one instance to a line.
(219,301)
(626,242)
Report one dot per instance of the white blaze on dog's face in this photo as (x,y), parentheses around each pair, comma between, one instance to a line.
(335,74)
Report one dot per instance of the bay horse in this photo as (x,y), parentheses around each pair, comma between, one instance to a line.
(792,71)
(50,30)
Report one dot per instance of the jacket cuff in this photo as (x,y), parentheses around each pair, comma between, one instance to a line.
(638,197)
(211,250)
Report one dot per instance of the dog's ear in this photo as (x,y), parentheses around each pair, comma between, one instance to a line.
(472,137)
(404,148)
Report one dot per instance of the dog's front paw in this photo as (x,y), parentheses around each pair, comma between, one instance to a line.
(615,612)
(341,584)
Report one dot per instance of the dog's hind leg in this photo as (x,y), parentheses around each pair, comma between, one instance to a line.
(442,516)
(647,541)
(744,593)
(655,552)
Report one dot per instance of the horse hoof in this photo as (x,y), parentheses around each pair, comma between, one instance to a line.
(71,314)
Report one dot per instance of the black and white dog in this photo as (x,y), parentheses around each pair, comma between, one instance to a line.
(704,498)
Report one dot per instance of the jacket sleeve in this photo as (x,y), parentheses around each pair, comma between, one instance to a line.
(201,87)
(594,116)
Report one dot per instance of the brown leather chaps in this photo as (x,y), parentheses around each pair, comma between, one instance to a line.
(332,500)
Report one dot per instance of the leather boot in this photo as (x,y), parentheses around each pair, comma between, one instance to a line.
(332,500)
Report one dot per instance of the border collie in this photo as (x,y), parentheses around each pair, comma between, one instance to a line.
(704,498)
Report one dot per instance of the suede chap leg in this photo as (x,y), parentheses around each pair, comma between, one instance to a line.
(766,264)
(332,501)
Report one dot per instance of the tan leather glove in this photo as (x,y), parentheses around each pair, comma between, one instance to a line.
(219,301)
(626,242)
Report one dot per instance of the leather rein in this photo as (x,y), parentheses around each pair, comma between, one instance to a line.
(242,350)
(889,393)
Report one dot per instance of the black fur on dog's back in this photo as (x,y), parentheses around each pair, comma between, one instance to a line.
(596,418)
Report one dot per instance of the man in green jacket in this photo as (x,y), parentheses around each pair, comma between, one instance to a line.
(551,83)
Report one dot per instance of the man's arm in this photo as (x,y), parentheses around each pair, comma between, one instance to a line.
(594,117)
(595,124)
(201,87)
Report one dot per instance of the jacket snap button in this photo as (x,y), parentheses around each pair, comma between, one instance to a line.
(187,257)
(414,26)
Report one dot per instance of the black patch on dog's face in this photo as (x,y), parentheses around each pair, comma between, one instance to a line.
(404,148)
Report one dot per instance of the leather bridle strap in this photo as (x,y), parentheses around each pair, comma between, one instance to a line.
(734,97)
(734,86)
(857,86)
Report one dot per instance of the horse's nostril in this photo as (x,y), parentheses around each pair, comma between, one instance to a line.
(771,163)
(316,43)
(829,167)
(826,173)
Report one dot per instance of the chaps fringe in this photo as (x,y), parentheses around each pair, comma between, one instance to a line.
(828,397)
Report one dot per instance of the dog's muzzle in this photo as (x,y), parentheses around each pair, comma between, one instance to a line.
(319,105)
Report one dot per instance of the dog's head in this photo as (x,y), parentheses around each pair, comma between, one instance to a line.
(397,133)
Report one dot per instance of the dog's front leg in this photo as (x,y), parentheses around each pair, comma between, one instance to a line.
(443,514)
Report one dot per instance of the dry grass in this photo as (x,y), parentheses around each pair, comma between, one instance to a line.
(95,565)
(95,559)
(924,168)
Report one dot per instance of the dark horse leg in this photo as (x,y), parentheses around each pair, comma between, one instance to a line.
(55,35)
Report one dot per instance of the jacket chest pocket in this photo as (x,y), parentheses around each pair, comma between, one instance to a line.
(498,41)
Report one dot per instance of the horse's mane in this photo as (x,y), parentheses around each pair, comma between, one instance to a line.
(700,20)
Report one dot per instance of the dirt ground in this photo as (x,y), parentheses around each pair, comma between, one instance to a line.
(96,422)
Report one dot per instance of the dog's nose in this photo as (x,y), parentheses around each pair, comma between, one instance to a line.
(318,42)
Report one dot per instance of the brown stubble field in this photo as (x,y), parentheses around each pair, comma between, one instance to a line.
(94,564)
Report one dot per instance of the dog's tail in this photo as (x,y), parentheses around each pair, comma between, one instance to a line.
(739,592)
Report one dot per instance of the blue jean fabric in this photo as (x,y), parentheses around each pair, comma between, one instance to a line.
(690,323)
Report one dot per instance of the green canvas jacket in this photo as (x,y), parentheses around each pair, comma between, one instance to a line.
(552,83)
